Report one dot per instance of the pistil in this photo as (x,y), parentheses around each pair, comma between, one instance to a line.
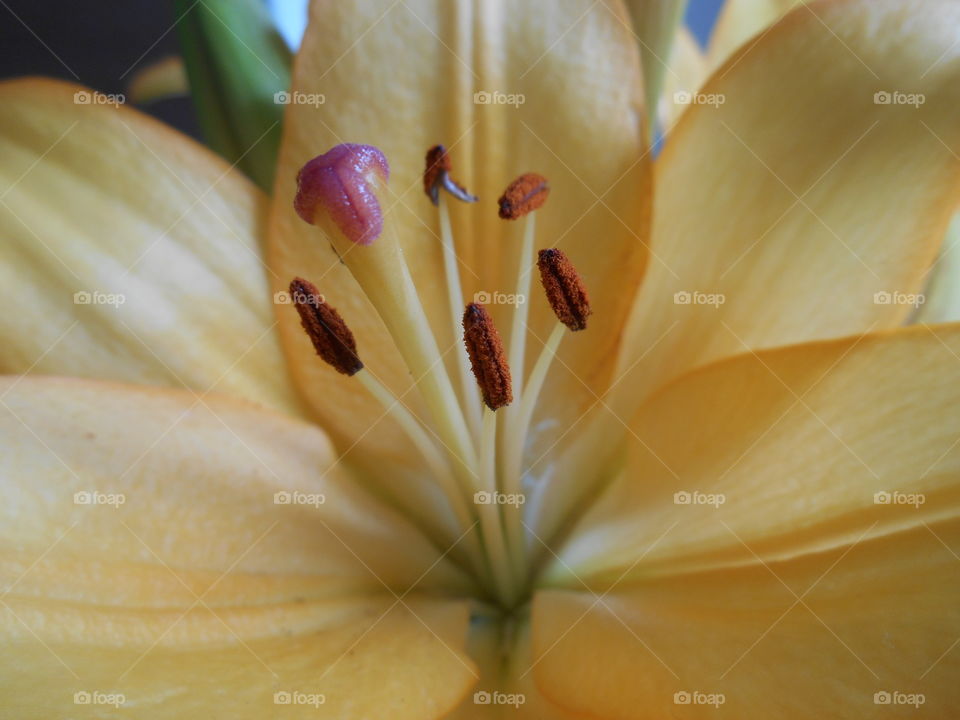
(339,192)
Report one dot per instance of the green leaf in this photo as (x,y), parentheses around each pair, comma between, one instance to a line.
(236,62)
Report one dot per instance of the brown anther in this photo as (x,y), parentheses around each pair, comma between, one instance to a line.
(565,291)
(329,334)
(436,175)
(487,357)
(524,195)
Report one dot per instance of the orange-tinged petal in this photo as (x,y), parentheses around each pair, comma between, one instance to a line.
(780,212)
(780,453)
(130,252)
(362,657)
(144,550)
(205,487)
(867,631)
(740,23)
(558,93)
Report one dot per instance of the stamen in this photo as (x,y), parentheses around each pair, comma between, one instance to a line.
(335,344)
(437,176)
(340,184)
(571,304)
(525,194)
(486,356)
(329,334)
(565,291)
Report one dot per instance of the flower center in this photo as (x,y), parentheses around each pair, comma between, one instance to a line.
(478,467)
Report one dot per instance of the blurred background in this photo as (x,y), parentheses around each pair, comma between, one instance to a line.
(109,44)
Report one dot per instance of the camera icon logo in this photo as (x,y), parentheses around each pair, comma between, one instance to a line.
(881,97)
(82,97)
(882,298)
(82,297)
(482,97)
(83,497)
(882,498)
(281,97)
(881,697)
(681,697)
(481,697)
(282,697)
(282,297)
(81,697)
(682,498)
(482,497)
(682,97)
(682,298)
(282,498)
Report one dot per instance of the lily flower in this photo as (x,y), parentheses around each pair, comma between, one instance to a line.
(706,463)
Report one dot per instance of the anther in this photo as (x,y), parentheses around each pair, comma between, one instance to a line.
(329,334)
(524,195)
(436,176)
(486,356)
(340,185)
(565,290)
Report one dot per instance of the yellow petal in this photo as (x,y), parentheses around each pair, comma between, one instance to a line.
(144,551)
(739,24)
(687,72)
(941,296)
(781,213)
(817,636)
(130,252)
(362,657)
(199,482)
(779,453)
(403,77)
(655,23)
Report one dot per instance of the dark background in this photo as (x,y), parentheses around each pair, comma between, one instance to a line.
(100,43)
